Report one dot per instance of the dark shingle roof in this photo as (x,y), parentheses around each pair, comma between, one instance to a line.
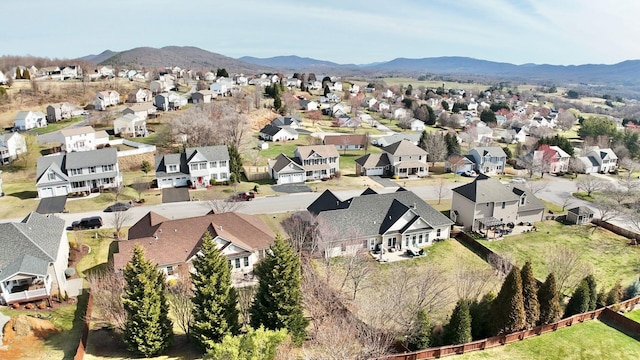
(373,160)
(282,161)
(485,190)
(211,153)
(84,159)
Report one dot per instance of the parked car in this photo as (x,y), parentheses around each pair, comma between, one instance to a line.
(243,196)
(414,251)
(117,207)
(94,222)
(469,173)
(518,180)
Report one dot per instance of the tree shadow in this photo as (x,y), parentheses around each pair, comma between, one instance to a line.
(68,340)
(107,343)
(23,195)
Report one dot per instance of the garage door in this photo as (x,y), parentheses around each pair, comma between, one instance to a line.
(60,191)
(180,182)
(284,179)
(46,192)
(375,171)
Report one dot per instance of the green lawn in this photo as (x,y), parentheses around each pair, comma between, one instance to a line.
(608,254)
(101,248)
(634,315)
(20,198)
(589,340)
(55,126)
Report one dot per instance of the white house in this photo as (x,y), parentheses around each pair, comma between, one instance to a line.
(278,133)
(489,160)
(11,145)
(140,96)
(84,138)
(130,125)
(169,101)
(606,159)
(106,98)
(141,110)
(203,96)
(26,120)
(417,125)
(63,110)
(197,167)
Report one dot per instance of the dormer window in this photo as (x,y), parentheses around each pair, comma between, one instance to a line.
(172,168)
(523,199)
(51,175)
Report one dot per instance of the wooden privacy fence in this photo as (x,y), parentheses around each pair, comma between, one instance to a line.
(254,173)
(82,346)
(633,236)
(625,324)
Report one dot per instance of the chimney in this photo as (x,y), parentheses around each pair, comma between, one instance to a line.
(220,227)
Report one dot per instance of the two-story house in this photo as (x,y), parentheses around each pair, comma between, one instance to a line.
(27,120)
(318,161)
(141,110)
(106,98)
(401,159)
(486,203)
(83,171)
(373,221)
(61,111)
(169,101)
(34,257)
(130,125)
(196,167)
(241,238)
(203,96)
(11,146)
(489,160)
(84,138)
(140,96)
(606,159)
(551,159)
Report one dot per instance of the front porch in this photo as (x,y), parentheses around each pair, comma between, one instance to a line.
(411,168)
(25,288)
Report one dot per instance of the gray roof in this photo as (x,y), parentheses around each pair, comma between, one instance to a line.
(285,120)
(531,201)
(211,153)
(373,160)
(495,151)
(387,140)
(44,162)
(282,162)
(84,159)
(486,190)
(30,245)
(581,210)
(162,161)
(373,214)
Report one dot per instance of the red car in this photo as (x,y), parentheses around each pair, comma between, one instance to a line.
(243,196)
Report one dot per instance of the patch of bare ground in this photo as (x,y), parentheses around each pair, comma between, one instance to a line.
(24,337)
(261,117)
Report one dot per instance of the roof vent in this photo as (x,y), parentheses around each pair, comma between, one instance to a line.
(155,236)
(220,227)
(175,230)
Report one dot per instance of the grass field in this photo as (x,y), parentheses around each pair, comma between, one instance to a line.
(634,315)
(55,126)
(589,340)
(608,254)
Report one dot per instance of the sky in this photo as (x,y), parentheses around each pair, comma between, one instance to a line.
(558,32)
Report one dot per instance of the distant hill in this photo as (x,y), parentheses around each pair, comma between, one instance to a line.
(294,63)
(96,59)
(186,57)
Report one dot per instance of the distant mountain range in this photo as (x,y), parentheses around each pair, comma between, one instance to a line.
(626,73)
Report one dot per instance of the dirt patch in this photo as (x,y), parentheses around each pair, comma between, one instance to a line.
(24,337)
(260,118)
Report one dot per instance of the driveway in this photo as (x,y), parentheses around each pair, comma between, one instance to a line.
(383,181)
(291,188)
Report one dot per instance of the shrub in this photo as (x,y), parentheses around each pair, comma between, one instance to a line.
(634,289)
(69,272)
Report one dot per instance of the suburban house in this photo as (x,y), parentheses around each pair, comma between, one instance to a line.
(35,256)
(417,125)
(308,105)
(130,125)
(372,221)
(489,160)
(140,96)
(551,159)
(203,96)
(84,171)
(84,138)
(105,99)
(243,239)
(220,88)
(487,202)
(580,215)
(347,141)
(401,159)
(63,110)
(11,145)
(607,160)
(514,135)
(285,170)
(164,84)
(318,161)
(383,141)
(278,133)
(586,164)
(26,120)
(169,101)
(292,121)
(142,110)
(197,166)
(459,163)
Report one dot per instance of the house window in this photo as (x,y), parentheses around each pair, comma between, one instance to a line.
(399,158)
(223,163)
(106,168)
(169,270)
(92,169)
(173,168)
(438,232)
(203,166)
(214,176)
(503,204)
(522,200)
(230,266)
(343,247)
(194,167)
(246,261)
(420,239)
(237,263)
(223,176)
(213,164)
(51,176)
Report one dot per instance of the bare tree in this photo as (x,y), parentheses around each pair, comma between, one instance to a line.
(107,288)
(590,184)
(300,229)
(566,119)
(441,188)
(536,186)
(566,202)
(567,266)
(179,294)
(405,123)
(314,116)
(245,298)
(608,208)
(222,204)
(435,146)
(118,220)
(471,283)
(501,264)
(140,185)
(117,191)
(357,268)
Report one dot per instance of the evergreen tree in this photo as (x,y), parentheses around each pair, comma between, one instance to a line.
(550,310)
(432,116)
(616,293)
(593,291)
(278,300)
(530,295)
(145,167)
(18,73)
(453,146)
(420,337)
(508,308)
(147,329)
(579,301)
(214,299)
(26,75)
(235,161)
(277,103)
(488,116)
(222,72)
(257,344)
(445,105)
(326,90)
(458,331)
(480,316)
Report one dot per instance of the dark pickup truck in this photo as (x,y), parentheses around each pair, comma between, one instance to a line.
(243,196)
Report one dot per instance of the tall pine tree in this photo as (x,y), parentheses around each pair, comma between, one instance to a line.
(579,302)
(508,308)
(278,300)
(550,310)
(481,316)
(215,301)
(530,295)
(593,291)
(147,329)
(458,331)
(235,162)
(420,336)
